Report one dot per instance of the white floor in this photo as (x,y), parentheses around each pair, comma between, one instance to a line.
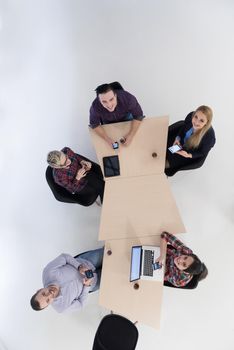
(174,55)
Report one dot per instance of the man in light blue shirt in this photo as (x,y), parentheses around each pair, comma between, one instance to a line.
(66,286)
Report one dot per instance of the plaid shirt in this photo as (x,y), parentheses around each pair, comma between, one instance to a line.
(66,177)
(173,275)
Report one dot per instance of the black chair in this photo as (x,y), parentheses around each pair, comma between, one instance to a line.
(172,133)
(115,332)
(62,195)
(174,128)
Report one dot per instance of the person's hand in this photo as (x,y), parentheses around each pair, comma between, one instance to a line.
(159,260)
(80,173)
(128,139)
(82,269)
(109,141)
(87,281)
(176,142)
(86,165)
(184,154)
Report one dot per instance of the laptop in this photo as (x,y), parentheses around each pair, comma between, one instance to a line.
(142,264)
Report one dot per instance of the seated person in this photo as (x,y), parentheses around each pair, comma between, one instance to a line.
(112,105)
(196,137)
(181,264)
(66,286)
(75,174)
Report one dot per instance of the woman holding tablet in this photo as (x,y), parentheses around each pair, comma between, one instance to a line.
(181,264)
(193,141)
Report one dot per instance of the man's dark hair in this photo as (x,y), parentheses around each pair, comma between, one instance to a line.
(104,88)
(34,303)
(197,268)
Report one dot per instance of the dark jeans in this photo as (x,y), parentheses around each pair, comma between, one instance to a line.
(95,257)
(95,185)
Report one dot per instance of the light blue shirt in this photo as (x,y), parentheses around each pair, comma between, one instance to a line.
(63,271)
(188,134)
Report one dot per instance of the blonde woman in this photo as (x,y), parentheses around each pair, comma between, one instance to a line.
(196,137)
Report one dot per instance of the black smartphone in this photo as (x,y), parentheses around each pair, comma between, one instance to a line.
(115,145)
(89,274)
(157,266)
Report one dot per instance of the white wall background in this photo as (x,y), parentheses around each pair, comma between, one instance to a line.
(174,55)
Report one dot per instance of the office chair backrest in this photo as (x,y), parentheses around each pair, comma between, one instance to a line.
(174,128)
(60,193)
(115,332)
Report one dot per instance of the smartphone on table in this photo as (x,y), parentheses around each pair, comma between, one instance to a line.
(115,145)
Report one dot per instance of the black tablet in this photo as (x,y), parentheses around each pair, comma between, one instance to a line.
(111,166)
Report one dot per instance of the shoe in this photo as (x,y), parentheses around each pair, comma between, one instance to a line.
(98,202)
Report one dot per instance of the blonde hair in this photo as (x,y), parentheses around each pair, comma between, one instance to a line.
(195,139)
(53,158)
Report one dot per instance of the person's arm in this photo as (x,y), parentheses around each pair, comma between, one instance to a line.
(163,250)
(185,154)
(76,304)
(81,173)
(135,109)
(85,263)
(177,141)
(95,118)
(205,146)
(62,260)
(203,149)
(135,124)
(67,180)
(79,302)
(71,154)
(85,164)
(175,243)
(101,132)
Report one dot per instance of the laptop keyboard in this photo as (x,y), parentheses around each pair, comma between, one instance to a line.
(148,262)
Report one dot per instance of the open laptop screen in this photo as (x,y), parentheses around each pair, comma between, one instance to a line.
(135,263)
